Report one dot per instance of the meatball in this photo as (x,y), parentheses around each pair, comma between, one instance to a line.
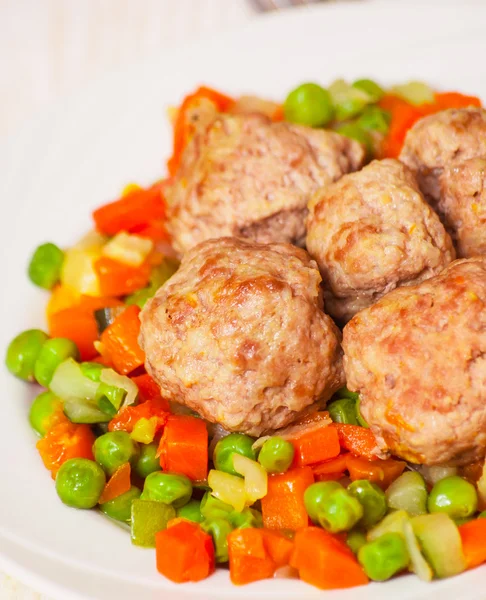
(246,176)
(435,141)
(238,334)
(462,205)
(371,232)
(418,360)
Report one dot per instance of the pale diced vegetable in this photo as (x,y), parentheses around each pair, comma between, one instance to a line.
(255,476)
(78,272)
(228,488)
(111,377)
(68,381)
(128,249)
(408,492)
(415,92)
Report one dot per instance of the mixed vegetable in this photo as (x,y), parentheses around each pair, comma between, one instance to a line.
(314,501)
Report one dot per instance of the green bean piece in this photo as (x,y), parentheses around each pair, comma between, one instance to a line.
(92,370)
(147,461)
(23,351)
(384,557)
(41,411)
(408,492)
(370,87)
(332,507)
(219,529)
(454,496)
(233,443)
(343,410)
(248,517)
(355,539)
(45,266)
(120,508)
(168,488)
(213,508)
(309,104)
(191,511)
(372,499)
(51,355)
(148,518)
(80,483)
(276,455)
(113,449)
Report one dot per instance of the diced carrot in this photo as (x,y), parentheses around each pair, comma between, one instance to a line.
(249,559)
(356,439)
(283,506)
(138,207)
(148,389)
(325,561)
(278,546)
(445,100)
(155,231)
(316,446)
(183,129)
(403,117)
(473,536)
(62,297)
(381,472)
(128,416)
(118,279)
(330,470)
(183,447)
(65,440)
(120,341)
(184,552)
(118,484)
(78,325)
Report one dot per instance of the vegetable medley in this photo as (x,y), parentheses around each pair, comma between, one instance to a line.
(315,500)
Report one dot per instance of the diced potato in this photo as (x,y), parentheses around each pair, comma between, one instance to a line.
(128,249)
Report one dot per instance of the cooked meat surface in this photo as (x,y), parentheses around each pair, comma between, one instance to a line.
(371,232)
(246,176)
(437,140)
(238,334)
(462,205)
(418,359)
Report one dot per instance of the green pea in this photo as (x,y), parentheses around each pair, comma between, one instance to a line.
(384,557)
(343,411)
(147,461)
(113,449)
(372,499)
(248,517)
(51,355)
(213,508)
(309,104)
(355,539)
(92,370)
(45,266)
(375,118)
(276,455)
(370,87)
(233,443)
(191,511)
(219,529)
(454,496)
(120,508)
(168,488)
(80,482)
(23,351)
(41,411)
(355,132)
(332,507)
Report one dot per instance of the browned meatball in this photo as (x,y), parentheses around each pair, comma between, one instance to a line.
(243,175)
(418,359)
(435,141)
(371,232)
(238,334)
(462,205)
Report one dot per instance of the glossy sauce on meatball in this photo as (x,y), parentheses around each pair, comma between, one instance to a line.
(238,334)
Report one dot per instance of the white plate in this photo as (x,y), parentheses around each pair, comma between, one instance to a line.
(80,156)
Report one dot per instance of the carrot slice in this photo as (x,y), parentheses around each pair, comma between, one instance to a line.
(118,484)
(278,546)
(473,536)
(381,472)
(249,559)
(118,279)
(120,341)
(356,439)
(316,446)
